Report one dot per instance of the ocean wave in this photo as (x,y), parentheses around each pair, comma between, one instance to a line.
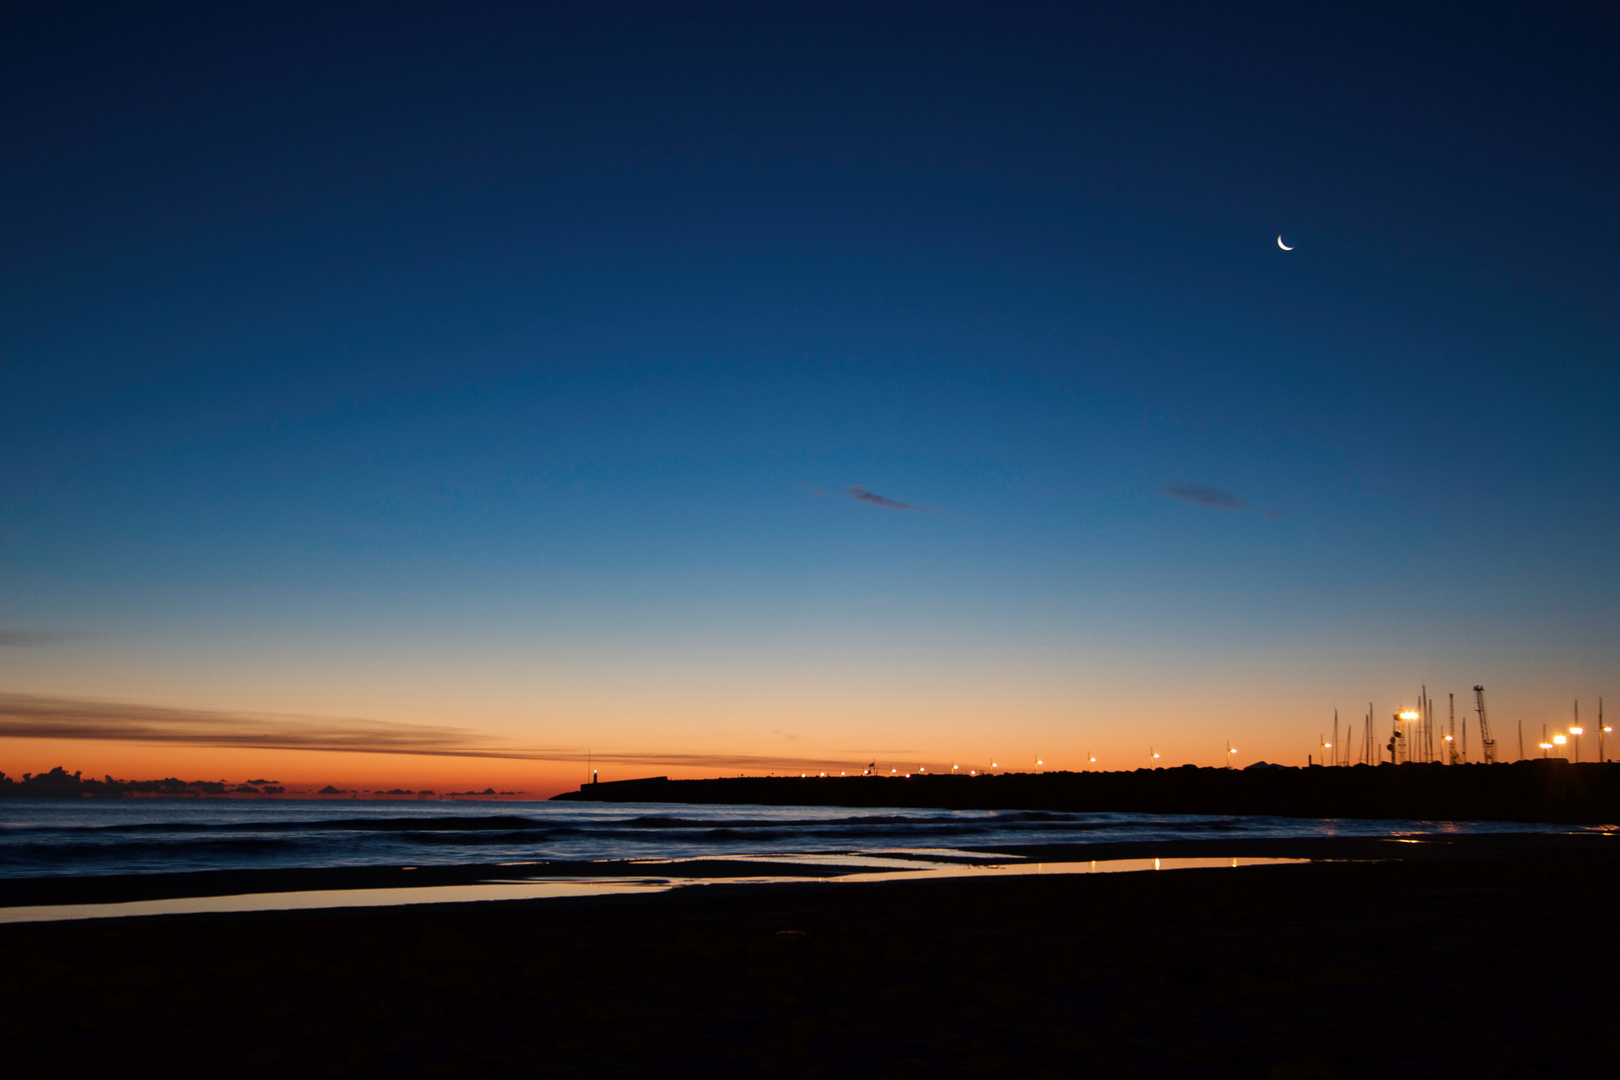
(20,854)
(355,824)
(873,820)
(154,836)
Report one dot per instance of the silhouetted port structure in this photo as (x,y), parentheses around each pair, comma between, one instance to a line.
(1485,739)
(1552,790)
(1412,734)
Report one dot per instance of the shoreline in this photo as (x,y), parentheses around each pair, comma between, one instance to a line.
(129,888)
(1282,971)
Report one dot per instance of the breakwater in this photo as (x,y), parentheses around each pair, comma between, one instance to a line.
(1542,791)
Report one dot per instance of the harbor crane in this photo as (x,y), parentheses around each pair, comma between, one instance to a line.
(1485,727)
(1451,736)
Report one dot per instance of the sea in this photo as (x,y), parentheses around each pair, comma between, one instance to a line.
(84,837)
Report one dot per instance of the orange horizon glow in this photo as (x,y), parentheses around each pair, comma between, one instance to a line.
(364,724)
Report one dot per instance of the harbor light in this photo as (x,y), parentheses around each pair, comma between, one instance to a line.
(1409,715)
(1559,740)
(1577,731)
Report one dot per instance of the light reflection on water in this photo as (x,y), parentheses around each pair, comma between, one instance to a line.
(862,869)
(91,837)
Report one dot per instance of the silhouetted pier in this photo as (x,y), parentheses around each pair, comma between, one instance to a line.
(1551,790)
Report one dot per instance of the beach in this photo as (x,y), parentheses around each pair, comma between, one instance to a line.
(828,540)
(1493,959)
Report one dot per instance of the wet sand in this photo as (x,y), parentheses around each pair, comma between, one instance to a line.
(126,888)
(1496,959)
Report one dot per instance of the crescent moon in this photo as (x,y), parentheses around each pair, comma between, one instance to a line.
(1282,245)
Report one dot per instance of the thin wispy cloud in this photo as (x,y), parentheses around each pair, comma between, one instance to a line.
(1200,495)
(27,639)
(29,716)
(871,498)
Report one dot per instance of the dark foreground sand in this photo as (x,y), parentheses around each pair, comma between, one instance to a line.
(1502,963)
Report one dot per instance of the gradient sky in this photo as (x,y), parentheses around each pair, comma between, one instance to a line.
(725,388)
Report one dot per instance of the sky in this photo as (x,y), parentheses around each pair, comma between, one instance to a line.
(426,393)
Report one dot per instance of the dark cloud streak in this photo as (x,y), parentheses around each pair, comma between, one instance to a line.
(872,498)
(1200,495)
(27,716)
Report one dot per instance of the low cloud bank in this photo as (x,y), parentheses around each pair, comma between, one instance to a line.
(29,716)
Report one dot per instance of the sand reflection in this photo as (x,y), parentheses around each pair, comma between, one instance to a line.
(848,869)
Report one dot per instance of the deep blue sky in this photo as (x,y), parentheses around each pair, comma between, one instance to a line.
(487,332)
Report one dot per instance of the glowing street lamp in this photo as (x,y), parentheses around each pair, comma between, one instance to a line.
(1546,746)
(1560,741)
(1398,739)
